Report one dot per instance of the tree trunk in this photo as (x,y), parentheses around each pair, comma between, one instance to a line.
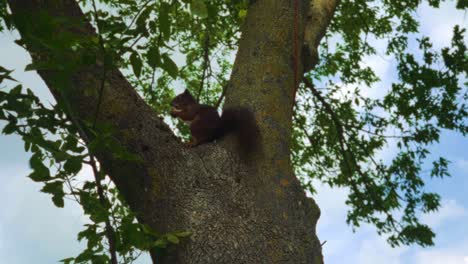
(238,210)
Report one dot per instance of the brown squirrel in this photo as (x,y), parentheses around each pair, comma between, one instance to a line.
(206,125)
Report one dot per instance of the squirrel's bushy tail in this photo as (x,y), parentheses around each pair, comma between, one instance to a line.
(241,122)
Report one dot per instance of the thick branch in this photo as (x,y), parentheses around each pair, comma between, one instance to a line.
(318,19)
(263,74)
(263,80)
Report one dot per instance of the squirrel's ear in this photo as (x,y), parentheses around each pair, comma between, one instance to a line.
(186,91)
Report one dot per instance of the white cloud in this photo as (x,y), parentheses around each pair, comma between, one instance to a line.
(438,258)
(365,246)
(29,219)
(462,164)
(450,210)
(331,226)
(16,58)
(440,29)
(452,255)
(332,200)
(376,250)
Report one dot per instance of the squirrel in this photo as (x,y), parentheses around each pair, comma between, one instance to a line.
(206,125)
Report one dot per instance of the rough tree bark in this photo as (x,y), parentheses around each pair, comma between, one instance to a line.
(238,211)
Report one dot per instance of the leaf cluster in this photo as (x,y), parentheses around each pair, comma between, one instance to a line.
(58,155)
(341,127)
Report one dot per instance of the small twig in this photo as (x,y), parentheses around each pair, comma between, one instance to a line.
(135,42)
(323,243)
(152,82)
(104,70)
(136,16)
(221,97)
(67,179)
(110,233)
(377,134)
(336,120)
(206,57)
(303,128)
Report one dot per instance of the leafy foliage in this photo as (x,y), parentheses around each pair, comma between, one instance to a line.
(337,135)
(58,155)
(338,143)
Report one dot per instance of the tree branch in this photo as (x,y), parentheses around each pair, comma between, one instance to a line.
(346,152)
(263,73)
(341,139)
(206,62)
(319,17)
(110,233)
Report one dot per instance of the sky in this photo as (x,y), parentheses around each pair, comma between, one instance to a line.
(33,230)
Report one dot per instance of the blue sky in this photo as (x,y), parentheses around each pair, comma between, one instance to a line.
(32,230)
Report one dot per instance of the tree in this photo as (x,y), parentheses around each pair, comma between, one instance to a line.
(111,69)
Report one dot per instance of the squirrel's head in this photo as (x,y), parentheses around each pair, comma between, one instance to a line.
(182,102)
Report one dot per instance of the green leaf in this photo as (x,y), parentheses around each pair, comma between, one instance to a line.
(84,257)
(133,236)
(135,60)
(153,56)
(89,185)
(71,143)
(198,8)
(27,145)
(462,4)
(6,76)
(40,172)
(10,128)
(148,230)
(59,156)
(89,232)
(73,165)
(242,13)
(4,70)
(431,202)
(173,239)
(56,189)
(160,243)
(53,187)
(67,260)
(183,233)
(58,200)
(141,21)
(169,65)
(164,23)
(16,90)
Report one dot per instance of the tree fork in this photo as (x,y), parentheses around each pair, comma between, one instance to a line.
(237,212)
